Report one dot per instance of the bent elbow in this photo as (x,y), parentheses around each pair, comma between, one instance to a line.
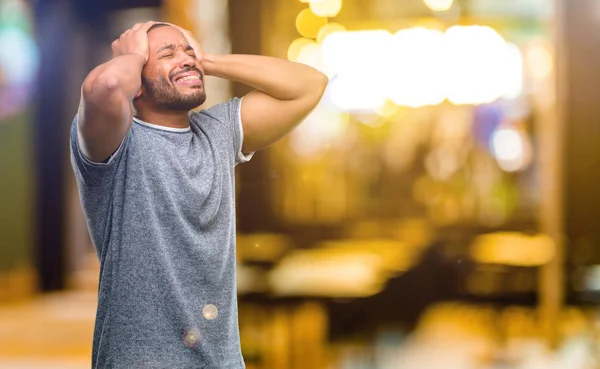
(323,82)
(99,88)
(319,86)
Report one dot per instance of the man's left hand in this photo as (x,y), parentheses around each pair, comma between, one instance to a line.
(189,36)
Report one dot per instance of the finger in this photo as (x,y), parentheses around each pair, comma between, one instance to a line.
(146,26)
(115,48)
(137,26)
(124,33)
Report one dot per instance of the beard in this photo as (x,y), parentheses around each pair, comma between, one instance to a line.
(166,95)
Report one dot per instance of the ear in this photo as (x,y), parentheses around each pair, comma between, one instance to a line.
(139,93)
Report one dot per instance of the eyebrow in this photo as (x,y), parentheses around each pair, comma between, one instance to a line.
(174,47)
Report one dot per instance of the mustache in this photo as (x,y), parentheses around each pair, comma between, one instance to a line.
(187,70)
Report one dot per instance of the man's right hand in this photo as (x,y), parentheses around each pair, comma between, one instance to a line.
(133,41)
(105,113)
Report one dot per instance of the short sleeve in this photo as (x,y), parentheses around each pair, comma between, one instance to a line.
(230,114)
(90,173)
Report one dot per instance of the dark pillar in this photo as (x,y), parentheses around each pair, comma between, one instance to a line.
(53,20)
(570,211)
(579,74)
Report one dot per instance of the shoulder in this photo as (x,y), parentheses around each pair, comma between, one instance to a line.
(225,112)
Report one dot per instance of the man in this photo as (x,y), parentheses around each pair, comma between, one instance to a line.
(157,186)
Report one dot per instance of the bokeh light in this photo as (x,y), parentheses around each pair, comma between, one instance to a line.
(210,312)
(513,249)
(329,29)
(467,65)
(476,57)
(539,61)
(507,144)
(192,337)
(310,54)
(359,81)
(296,47)
(322,129)
(416,71)
(326,8)
(325,273)
(439,5)
(514,72)
(511,148)
(308,23)
(19,57)
(388,109)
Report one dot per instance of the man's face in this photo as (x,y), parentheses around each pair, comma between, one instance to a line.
(173,77)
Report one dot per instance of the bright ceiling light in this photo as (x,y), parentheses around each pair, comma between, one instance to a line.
(354,59)
(476,59)
(416,71)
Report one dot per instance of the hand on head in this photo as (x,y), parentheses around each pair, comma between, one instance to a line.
(133,41)
(191,40)
(172,76)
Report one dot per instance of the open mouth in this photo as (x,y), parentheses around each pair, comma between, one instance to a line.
(187,79)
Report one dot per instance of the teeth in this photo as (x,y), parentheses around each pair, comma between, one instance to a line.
(188,78)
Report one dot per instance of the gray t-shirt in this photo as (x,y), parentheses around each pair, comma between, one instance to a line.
(161,215)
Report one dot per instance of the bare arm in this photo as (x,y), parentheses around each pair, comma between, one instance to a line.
(105,114)
(285,93)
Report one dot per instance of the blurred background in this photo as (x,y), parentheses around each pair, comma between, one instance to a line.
(439,208)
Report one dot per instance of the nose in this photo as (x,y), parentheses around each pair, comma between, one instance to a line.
(188,61)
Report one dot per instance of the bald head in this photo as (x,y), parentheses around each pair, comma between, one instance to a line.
(158,25)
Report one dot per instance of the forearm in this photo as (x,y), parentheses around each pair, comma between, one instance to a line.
(281,79)
(121,74)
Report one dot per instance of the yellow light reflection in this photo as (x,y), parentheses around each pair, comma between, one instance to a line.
(439,5)
(329,29)
(539,61)
(369,118)
(326,8)
(308,23)
(310,54)
(388,110)
(513,249)
(322,273)
(296,47)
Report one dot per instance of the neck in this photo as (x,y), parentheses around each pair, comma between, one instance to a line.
(172,119)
